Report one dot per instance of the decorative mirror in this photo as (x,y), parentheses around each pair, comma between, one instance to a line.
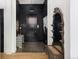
(58,30)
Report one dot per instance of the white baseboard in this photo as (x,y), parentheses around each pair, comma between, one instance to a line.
(9,52)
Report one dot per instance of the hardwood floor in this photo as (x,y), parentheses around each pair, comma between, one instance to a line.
(32,47)
(25,56)
(0,55)
(54,53)
(51,53)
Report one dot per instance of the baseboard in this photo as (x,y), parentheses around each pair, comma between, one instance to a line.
(9,52)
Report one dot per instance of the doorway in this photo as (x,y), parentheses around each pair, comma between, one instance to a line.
(31,27)
(31,34)
(31,23)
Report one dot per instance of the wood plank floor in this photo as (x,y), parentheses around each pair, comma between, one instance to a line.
(0,55)
(32,47)
(25,56)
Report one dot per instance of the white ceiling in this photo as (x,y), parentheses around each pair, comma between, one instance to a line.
(31,1)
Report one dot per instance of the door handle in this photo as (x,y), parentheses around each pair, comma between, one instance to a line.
(37,26)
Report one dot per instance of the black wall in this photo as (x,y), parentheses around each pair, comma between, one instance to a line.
(1,30)
(39,10)
(45,8)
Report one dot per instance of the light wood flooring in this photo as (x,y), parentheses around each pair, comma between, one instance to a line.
(25,56)
(34,55)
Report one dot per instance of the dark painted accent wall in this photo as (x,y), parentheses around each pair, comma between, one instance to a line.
(39,10)
(17,8)
(1,30)
(45,8)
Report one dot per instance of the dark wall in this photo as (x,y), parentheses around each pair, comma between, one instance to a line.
(38,10)
(45,8)
(25,12)
(1,31)
(17,8)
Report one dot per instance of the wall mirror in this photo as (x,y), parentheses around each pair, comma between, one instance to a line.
(58,30)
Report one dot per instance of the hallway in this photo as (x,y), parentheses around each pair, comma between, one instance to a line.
(32,47)
(31,26)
